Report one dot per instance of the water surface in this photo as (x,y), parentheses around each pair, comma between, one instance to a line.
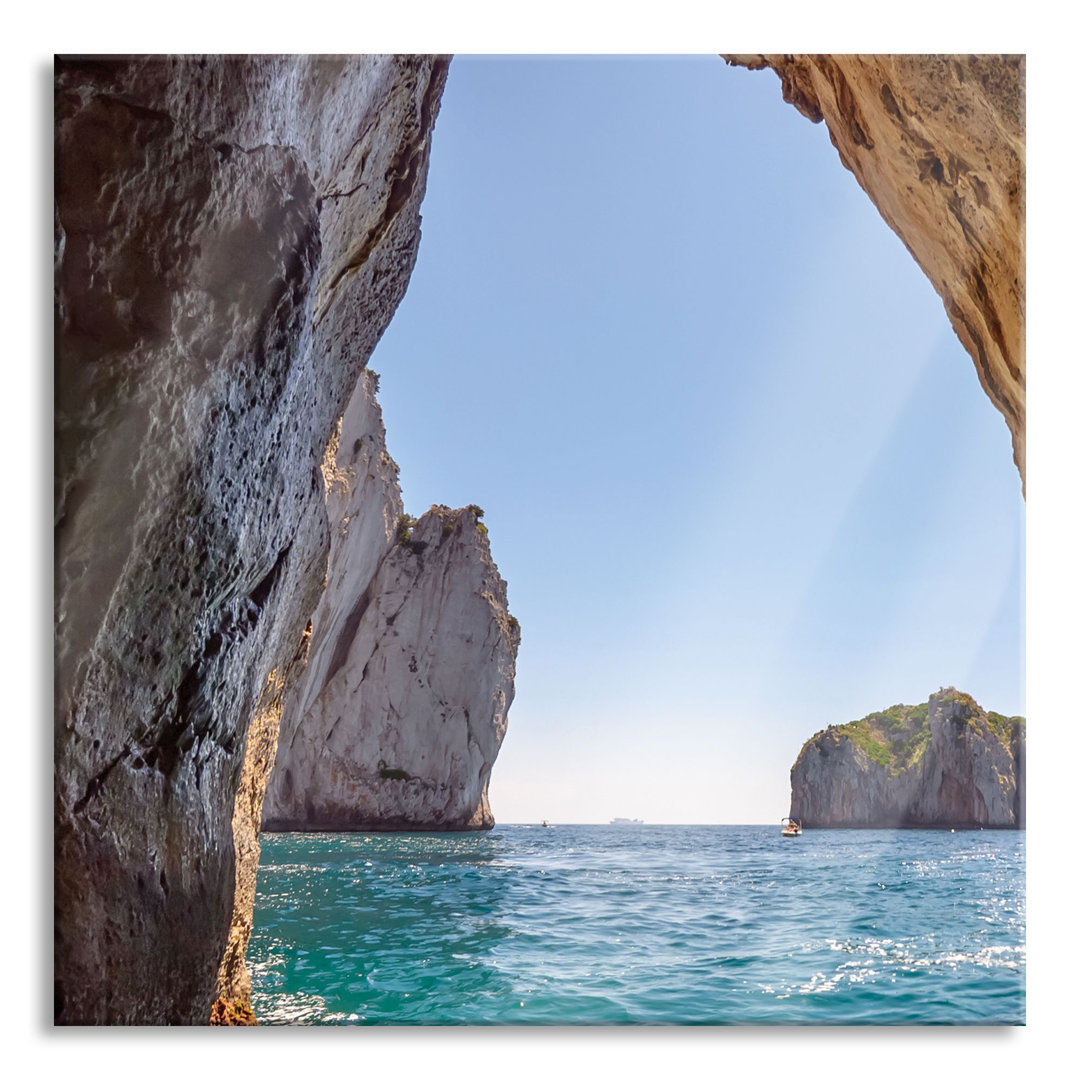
(640,925)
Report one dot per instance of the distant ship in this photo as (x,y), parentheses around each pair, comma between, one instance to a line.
(627,821)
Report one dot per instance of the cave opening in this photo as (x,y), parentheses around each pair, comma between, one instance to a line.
(738,469)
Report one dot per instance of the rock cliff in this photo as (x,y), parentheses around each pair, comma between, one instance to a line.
(938,143)
(402,707)
(232,237)
(947,763)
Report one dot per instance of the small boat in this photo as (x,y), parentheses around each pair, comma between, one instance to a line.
(791,826)
(544,823)
(627,821)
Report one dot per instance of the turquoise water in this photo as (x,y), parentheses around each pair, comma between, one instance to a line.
(640,925)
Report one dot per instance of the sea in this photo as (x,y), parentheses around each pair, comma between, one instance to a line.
(640,924)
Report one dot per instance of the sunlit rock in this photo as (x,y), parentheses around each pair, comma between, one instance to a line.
(947,763)
(938,143)
(403,705)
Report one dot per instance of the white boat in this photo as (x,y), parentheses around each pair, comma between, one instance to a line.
(627,821)
(791,827)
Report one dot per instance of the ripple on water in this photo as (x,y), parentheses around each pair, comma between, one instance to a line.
(663,924)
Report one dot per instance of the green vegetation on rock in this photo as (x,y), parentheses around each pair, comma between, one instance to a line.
(1006,728)
(897,737)
(405,528)
(951,695)
(894,738)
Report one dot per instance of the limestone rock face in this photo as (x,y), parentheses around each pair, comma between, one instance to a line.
(232,237)
(938,143)
(947,763)
(403,705)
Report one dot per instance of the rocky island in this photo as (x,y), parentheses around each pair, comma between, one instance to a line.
(402,707)
(946,763)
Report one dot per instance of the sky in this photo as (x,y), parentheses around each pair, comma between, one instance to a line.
(738,471)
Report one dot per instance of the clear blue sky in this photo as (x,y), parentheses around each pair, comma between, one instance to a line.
(738,471)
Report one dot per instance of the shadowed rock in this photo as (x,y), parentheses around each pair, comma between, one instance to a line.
(232,237)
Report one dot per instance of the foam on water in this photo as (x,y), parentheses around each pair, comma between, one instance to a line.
(640,924)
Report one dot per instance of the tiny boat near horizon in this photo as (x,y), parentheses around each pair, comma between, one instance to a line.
(791,827)
(627,821)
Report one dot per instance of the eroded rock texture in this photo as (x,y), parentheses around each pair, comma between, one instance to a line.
(938,143)
(232,237)
(402,707)
(947,763)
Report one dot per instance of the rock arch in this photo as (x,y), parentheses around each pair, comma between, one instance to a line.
(231,238)
(937,142)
